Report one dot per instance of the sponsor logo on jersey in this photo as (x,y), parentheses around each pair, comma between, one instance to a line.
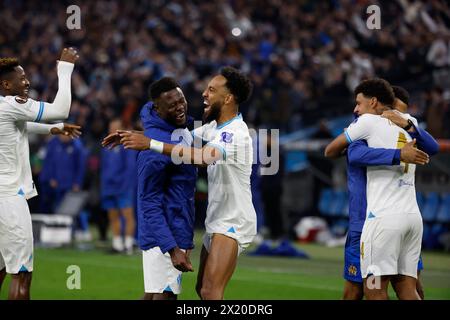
(402,183)
(227,137)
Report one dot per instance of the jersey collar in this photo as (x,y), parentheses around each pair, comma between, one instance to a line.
(239,116)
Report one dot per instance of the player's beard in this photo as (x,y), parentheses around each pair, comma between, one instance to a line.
(212,114)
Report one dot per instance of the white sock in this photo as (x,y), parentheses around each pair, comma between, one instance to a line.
(117,243)
(129,242)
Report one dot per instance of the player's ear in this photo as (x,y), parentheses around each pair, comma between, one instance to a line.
(373,102)
(229,98)
(157,106)
(5,84)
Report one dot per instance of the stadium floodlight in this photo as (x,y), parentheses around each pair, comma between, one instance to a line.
(236,32)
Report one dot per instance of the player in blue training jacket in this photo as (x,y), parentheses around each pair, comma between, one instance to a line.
(165,194)
(118,180)
(65,161)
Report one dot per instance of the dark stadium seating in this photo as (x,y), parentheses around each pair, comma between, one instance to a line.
(325,201)
(338,203)
(435,209)
(430,207)
(443,214)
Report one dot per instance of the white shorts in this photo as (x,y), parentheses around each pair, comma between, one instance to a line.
(16,235)
(159,273)
(391,245)
(207,238)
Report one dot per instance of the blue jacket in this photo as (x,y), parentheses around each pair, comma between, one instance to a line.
(165,192)
(360,156)
(118,171)
(65,163)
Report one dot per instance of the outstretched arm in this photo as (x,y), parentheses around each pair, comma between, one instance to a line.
(178,153)
(113,139)
(359,154)
(336,147)
(66,129)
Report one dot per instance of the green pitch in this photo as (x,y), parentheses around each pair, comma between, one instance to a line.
(106,276)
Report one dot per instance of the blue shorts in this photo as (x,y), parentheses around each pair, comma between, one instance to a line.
(121,201)
(352,264)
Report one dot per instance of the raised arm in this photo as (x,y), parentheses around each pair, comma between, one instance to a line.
(25,109)
(60,108)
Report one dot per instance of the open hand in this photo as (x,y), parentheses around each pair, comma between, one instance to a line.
(111,140)
(409,154)
(134,140)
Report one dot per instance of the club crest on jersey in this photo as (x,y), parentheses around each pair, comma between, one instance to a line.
(227,137)
(352,270)
(21,100)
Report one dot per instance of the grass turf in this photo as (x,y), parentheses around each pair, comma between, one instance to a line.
(106,276)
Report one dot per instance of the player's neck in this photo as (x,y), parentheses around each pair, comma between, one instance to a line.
(227,115)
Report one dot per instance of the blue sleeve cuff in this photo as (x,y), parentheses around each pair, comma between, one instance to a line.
(396,158)
(167,246)
(41,111)
(414,134)
(349,140)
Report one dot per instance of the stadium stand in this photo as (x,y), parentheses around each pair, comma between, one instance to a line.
(304,57)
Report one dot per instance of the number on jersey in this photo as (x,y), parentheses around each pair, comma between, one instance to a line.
(401,141)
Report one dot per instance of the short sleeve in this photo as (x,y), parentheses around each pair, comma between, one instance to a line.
(235,146)
(359,129)
(23,109)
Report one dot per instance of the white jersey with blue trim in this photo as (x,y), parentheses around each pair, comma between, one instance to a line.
(390,189)
(15,169)
(230,209)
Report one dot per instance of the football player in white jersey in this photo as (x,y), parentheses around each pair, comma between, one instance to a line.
(409,154)
(230,218)
(16,185)
(392,233)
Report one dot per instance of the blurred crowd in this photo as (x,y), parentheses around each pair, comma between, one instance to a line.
(304,57)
